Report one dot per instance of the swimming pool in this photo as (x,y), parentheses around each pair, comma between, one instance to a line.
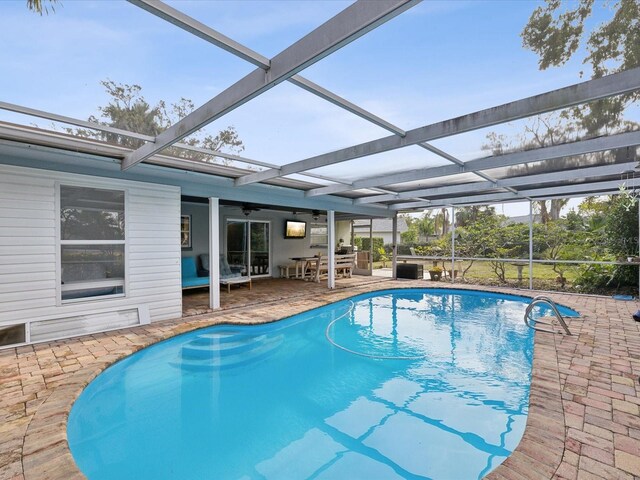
(428,383)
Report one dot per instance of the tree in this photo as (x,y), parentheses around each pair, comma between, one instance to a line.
(560,244)
(128,110)
(611,233)
(470,215)
(40,6)
(418,229)
(542,131)
(556,31)
(426,225)
(621,237)
(410,236)
(549,210)
(441,221)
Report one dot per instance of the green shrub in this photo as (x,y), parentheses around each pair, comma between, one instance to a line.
(364,244)
(593,278)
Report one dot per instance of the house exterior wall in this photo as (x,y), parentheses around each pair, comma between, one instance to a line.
(199,229)
(386,236)
(29,249)
(382,228)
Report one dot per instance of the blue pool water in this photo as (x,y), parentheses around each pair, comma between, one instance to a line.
(394,384)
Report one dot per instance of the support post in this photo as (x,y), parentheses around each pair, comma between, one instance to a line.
(394,246)
(453,244)
(331,267)
(352,240)
(530,245)
(214,253)
(371,246)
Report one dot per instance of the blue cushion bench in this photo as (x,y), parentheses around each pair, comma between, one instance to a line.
(190,278)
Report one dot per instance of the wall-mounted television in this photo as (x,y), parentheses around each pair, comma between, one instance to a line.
(295,229)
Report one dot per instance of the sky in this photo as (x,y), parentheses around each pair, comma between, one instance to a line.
(438,60)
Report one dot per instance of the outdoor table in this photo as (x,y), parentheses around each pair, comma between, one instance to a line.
(301,265)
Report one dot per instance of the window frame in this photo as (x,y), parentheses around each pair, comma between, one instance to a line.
(189,245)
(325,236)
(124,283)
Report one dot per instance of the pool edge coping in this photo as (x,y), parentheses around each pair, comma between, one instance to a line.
(46,453)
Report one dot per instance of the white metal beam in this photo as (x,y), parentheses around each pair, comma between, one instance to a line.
(331,97)
(191,25)
(599,144)
(126,133)
(563,175)
(578,189)
(348,25)
(452,159)
(590,188)
(199,29)
(11,107)
(590,90)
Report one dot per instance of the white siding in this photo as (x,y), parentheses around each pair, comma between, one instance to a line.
(29,282)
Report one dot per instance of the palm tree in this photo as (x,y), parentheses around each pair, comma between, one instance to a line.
(442,221)
(40,6)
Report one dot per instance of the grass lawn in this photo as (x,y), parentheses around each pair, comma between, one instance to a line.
(481,270)
(544,277)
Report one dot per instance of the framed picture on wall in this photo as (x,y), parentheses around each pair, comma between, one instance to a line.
(185,231)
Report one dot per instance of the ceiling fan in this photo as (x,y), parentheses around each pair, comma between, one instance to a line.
(248,208)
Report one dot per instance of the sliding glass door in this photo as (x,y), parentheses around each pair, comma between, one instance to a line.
(238,246)
(259,248)
(248,247)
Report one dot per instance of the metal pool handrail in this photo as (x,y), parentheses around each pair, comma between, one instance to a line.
(543,299)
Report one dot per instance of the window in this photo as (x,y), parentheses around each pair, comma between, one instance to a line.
(92,242)
(12,334)
(319,235)
(185,231)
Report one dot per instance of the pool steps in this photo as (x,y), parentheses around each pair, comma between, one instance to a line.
(225,349)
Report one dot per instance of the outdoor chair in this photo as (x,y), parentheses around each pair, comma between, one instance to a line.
(203,270)
(228,277)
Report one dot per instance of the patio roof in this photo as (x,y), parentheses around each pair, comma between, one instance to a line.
(584,167)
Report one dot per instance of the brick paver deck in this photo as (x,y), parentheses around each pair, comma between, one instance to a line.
(583,420)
